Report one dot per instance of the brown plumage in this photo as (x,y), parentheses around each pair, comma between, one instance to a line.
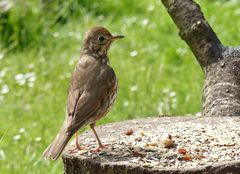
(92,90)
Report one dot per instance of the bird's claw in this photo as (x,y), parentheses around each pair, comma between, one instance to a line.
(100,147)
(76,148)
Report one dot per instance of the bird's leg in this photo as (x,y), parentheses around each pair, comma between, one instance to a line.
(77,143)
(100,145)
(77,147)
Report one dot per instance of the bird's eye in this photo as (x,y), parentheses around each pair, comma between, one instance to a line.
(101,38)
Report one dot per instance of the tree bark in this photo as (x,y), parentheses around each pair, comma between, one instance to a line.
(220,64)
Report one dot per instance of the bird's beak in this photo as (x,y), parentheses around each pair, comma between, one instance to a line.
(117,37)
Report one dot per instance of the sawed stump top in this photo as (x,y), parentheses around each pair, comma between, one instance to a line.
(158,145)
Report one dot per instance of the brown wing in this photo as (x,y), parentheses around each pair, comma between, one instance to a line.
(84,102)
(74,92)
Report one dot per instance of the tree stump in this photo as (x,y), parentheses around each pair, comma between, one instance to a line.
(209,145)
(186,145)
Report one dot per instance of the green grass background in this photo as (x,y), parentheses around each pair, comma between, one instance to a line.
(157,72)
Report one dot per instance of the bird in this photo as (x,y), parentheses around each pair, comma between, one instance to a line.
(92,90)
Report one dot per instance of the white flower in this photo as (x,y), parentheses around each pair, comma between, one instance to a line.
(181,51)
(1,56)
(30,84)
(31,66)
(151,8)
(78,36)
(4,89)
(166,90)
(2,154)
(20,78)
(2,73)
(134,53)
(17,137)
(125,103)
(37,139)
(174,100)
(55,34)
(145,22)
(172,94)
(134,88)
(22,130)
(160,108)
(169,101)
(71,62)
(29,75)
(32,78)
(23,78)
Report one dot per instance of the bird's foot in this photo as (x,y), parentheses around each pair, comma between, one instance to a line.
(99,148)
(76,148)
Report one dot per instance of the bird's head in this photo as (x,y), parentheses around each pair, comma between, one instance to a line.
(97,41)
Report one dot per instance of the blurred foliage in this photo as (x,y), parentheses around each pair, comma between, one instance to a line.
(29,22)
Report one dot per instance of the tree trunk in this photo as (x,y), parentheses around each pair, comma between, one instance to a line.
(220,64)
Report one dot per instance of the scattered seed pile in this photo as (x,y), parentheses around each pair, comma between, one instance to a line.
(182,144)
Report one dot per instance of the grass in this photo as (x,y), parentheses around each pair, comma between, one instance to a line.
(157,72)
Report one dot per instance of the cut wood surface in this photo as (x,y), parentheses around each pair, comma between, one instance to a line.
(211,145)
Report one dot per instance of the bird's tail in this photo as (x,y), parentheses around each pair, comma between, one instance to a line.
(55,149)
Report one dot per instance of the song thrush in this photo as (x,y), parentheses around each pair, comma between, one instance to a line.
(92,91)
